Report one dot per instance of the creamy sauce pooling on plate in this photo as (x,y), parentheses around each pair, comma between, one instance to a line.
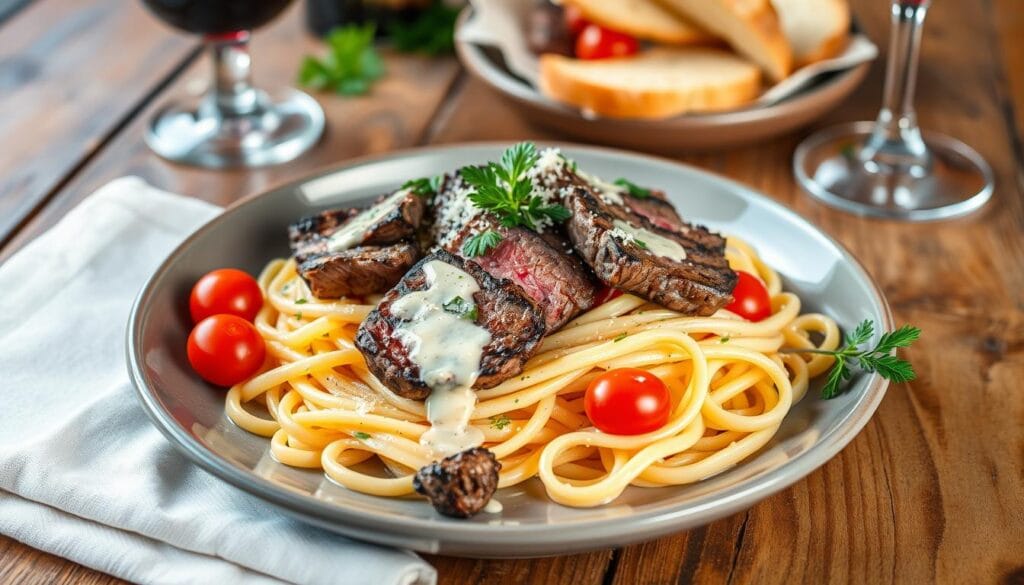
(447,346)
(351,234)
(655,243)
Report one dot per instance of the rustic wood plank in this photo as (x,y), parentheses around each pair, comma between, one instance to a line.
(66,87)
(573,569)
(1008,20)
(395,114)
(930,490)
(23,565)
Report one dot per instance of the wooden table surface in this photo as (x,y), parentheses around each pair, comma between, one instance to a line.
(931,490)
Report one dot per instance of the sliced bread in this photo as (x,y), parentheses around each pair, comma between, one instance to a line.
(657,83)
(816,29)
(643,19)
(751,27)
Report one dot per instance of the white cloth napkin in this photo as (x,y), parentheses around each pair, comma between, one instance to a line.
(83,473)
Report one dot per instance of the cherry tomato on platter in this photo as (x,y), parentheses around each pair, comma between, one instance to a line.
(751,300)
(628,401)
(225,349)
(227,291)
(574,20)
(597,42)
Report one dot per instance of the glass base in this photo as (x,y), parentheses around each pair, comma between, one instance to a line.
(955,181)
(278,129)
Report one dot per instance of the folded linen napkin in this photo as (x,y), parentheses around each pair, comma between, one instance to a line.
(83,473)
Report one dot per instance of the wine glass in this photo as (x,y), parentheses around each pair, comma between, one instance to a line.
(234,124)
(889,167)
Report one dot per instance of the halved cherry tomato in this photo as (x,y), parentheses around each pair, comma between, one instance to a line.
(227,291)
(628,401)
(574,20)
(597,42)
(225,349)
(751,298)
(606,294)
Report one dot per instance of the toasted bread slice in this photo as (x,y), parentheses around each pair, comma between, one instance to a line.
(816,29)
(751,27)
(643,19)
(658,83)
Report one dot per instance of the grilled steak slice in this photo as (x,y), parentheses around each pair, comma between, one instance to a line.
(359,271)
(684,269)
(513,319)
(460,485)
(656,209)
(348,252)
(392,218)
(544,265)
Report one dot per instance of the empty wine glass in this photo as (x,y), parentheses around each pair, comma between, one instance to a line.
(234,124)
(890,168)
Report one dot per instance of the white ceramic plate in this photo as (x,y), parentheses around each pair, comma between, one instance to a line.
(191,413)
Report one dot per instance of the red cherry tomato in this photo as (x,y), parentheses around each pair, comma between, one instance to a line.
(225,349)
(628,401)
(574,21)
(751,298)
(227,291)
(606,294)
(597,42)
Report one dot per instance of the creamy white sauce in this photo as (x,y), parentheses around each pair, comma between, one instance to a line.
(352,233)
(447,347)
(493,507)
(610,192)
(654,243)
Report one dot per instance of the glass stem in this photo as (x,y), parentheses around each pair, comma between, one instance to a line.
(896,140)
(233,92)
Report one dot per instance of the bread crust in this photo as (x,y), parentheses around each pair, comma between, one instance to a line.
(761,40)
(559,80)
(644,19)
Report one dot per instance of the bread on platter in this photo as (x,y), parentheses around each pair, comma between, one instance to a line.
(751,27)
(643,19)
(657,83)
(816,29)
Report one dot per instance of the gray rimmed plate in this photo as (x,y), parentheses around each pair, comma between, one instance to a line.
(191,413)
(690,132)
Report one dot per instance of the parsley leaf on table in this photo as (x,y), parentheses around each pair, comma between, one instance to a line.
(350,66)
(879,359)
(432,31)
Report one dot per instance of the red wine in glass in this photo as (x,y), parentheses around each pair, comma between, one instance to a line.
(890,167)
(234,124)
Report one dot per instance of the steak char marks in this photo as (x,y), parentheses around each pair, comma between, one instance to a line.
(513,319)
(543,265)
(699,283)
(351,252)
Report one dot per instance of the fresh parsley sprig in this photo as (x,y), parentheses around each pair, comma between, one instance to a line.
(479,244)
(880,359)
(424,187)
(504,190)
(431,32)
(463,308)
(633,189)
(350,66)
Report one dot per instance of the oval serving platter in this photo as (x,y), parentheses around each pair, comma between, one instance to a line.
(690,132)
(248,234)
